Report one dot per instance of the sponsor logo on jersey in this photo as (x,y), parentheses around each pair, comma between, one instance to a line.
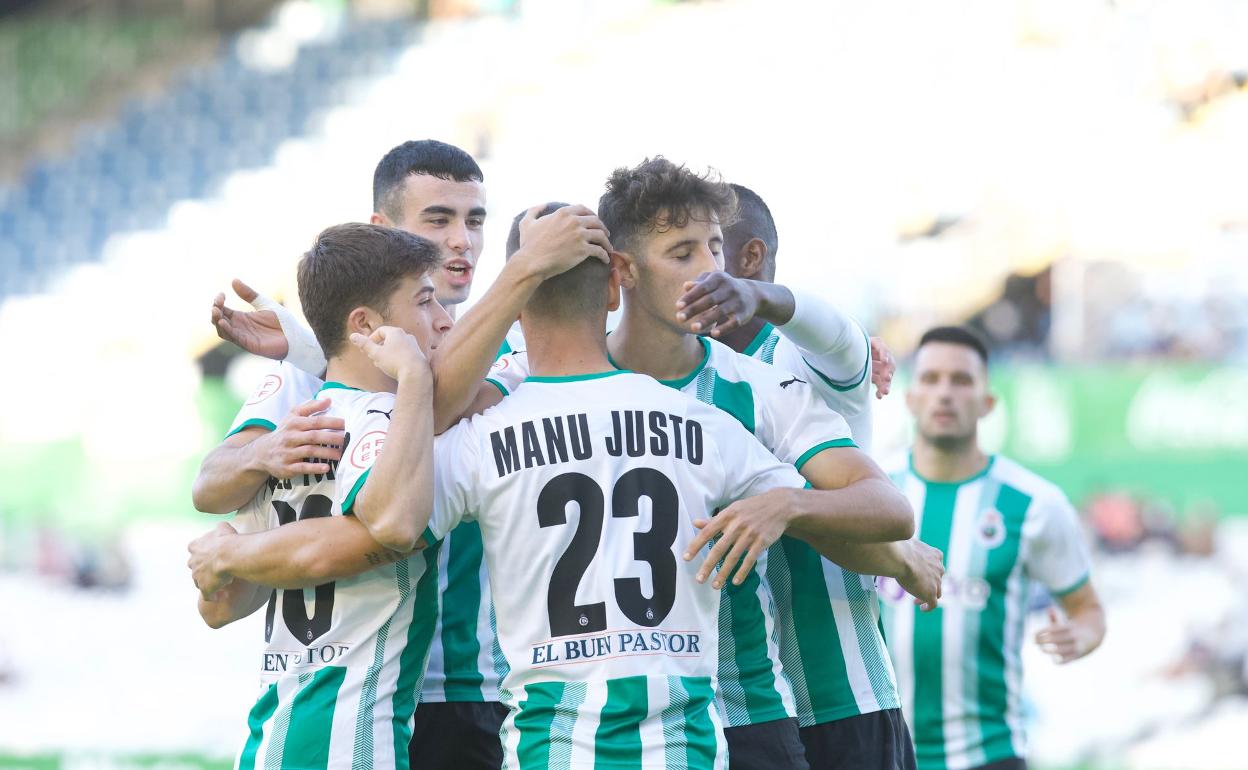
(271,384)
(378,411)
(990,529)
(616,644)
(970,593)
(368,449)
(280,661)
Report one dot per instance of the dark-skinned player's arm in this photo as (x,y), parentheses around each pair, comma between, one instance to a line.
(303,443)
(549,245)
(831,342)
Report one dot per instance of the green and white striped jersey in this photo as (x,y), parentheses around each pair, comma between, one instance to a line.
(343,662)
(850,399)
(960,665)
(800,637)
(586,490)
(465,663)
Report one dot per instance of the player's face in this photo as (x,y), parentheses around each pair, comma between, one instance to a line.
(452,215)
(670,258)
(949,394)
(415,309)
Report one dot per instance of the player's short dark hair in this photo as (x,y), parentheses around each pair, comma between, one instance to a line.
(957,335)
(356,265)
(572,295)
(427,156)
(656,195)
(754,220)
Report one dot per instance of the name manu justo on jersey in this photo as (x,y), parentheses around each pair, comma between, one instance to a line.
(634,433)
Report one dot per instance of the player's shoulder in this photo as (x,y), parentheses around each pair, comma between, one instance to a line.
(353,404)
(1044,493)
(283,382)
(761,376)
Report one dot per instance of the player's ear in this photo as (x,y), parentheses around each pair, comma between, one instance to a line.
(623,264)
(379,219)
(989,403)
(613,286)
(363,320)
(749,259)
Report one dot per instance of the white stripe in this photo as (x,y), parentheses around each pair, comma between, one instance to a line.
(855,666)
(587,720)
(485,639)
(953,623)
(653,742)
(509,734)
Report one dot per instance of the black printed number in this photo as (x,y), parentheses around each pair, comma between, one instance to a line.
(653,547)
(294,609)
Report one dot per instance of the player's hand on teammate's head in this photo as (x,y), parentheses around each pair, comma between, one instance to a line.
(925,570)
(883,367)
(257,331)
(745,530)
(305,442)
(205,559)
(395,352)
(716,303)
(562,239)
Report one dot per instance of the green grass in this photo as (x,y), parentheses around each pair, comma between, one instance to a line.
(114,761)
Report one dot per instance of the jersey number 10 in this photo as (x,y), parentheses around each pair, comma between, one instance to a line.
(294,611)
(654,547)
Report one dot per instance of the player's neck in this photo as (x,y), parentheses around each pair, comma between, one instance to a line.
(566,351)
(353,369)
(643,345)
(740,339)
(948,464)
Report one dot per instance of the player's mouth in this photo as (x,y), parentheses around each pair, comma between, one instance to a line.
(458,271)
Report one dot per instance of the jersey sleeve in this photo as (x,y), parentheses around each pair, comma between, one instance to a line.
(803,426)
(509,371)
(367,423)
(457,456)
(1058,557)
(851,399)
(749,469)
(831,342)
(281,390)
(256,515)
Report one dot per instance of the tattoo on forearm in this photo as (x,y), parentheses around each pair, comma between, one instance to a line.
(378,558)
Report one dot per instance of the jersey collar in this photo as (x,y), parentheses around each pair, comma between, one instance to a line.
(758,340)
(984,472)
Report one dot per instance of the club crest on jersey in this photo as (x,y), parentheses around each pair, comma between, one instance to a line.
(990,529)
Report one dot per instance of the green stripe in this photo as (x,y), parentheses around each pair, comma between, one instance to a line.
(499,385)
(825,680)
(993,697)
(758,340)
(735,398)
(503,349)
(748,686)
(416,653)
(254,422)
(349,502)
(461,604)
(312,720)
(701,744)
(260,713)
(817,448)
(929,715)
(335,386)
(842,387)
(862,605)
(536,715)
(976,563)
(578,377)
(617,742)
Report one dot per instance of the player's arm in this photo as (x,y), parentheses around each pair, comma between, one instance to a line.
(549,245)
(832,342)
(852,500)
(302,554)
(231,474)
(395,500)
(1082,629)
(233,602)
(916,566)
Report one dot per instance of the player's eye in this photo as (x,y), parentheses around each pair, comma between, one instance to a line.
(476,223)
(440,221)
